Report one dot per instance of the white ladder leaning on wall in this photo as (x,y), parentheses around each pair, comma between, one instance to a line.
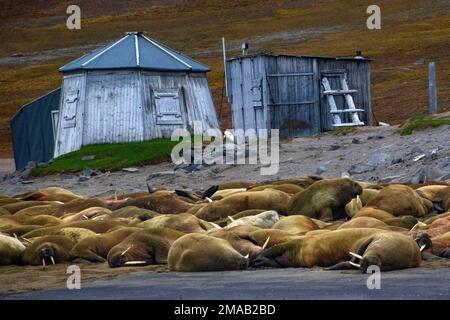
(335,112)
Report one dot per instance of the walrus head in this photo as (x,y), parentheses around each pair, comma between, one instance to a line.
(129,257)
(423,240)
(46,254)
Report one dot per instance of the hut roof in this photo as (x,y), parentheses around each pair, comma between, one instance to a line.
(135,51)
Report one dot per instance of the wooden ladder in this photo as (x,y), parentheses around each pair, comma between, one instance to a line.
(335,112)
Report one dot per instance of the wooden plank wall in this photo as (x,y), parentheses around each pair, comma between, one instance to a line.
(70,139)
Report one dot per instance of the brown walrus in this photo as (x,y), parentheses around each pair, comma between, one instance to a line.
(325,199)
(48,250)
(143,248)
(201,252)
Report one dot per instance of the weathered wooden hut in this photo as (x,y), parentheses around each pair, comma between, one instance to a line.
(299,95)
(134,89)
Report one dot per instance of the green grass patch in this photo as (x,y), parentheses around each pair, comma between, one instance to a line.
(111,157)
(421,121)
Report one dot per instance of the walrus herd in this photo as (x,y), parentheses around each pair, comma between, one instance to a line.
(302,222)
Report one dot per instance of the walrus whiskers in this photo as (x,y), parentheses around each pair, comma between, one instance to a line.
(354,264)
(356,255)
(265,243)
(126,250)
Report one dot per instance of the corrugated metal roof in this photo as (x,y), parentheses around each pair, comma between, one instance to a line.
(298,56)
(135,51)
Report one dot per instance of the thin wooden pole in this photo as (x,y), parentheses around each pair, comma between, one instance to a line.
(432,89)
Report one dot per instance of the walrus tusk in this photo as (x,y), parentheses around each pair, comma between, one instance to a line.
(27,240)
(232,220)
(422,248)
(126,251)
(356,255)
(209,199)
(133,263)
(354,264)
(417,225)
(43,262)
(215,225)
(15,236)
(265,243)
(85,216)
(247,255)
(53,260)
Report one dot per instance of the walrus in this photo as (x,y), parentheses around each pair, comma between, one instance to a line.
(373,213)
(48,250)
(296,224)
(235,185)
(50,194)
(265,219)
(163,202)
(367,195)
(21,230)
(325,199)
(388,251)
(303,182)
(96,248)
(275,237)
(201,252)
(430,192)
(407,222)
(4,212)
(353,206)
(19,206)
(11,250)
(323,250)
(85,214)
(285,187)
(58,210)
(239,239)
(251,212)
(219,195)
(7,223)
(269,199)
(399,200)
(8,200)
(363,222)
(143,248)
(184,222)
(132,211)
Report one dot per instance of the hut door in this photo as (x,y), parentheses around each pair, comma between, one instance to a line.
(257,100)
(70,109)
(168,106)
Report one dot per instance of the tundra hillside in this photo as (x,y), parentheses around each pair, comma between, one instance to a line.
(36,42)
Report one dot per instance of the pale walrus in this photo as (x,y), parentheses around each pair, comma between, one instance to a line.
(269,199)
(184,222)
(200,252)
(296,224)
(48,250)
(143,248)
(325,199)
(11,250)
(264,219)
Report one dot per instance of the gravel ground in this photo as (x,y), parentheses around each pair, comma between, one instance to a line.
(369,153)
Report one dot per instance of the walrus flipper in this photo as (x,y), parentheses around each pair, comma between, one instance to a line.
(210,191)
(345,265)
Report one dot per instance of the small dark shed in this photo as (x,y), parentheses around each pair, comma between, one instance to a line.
(300,95)
(32,130)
